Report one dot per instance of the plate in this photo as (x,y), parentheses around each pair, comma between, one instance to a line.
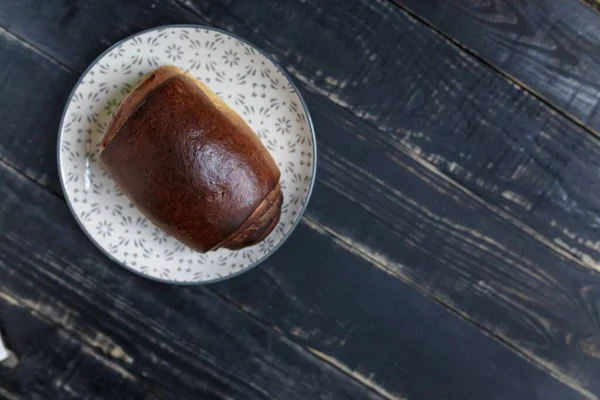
(248,80)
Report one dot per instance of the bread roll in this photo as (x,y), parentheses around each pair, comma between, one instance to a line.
(191,164)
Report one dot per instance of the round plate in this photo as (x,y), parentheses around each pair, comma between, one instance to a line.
(249,82)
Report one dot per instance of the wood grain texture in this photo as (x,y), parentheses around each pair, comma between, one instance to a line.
(440,104)
(430,98)
(186,341)
(16,143)
(340,304)
(550,46)
(56,364)
(189,343)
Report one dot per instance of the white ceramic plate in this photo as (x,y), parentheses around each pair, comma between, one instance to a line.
(242,75)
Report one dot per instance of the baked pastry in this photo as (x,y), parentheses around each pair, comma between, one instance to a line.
(191,164)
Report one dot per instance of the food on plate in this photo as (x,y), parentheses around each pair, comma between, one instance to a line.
(192,165)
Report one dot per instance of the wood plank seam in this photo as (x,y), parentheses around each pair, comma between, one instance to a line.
(427,164)
(507,215)
(371,386)
(106,358)
(114,359)
(35,49)
(496,209)
(586,263)
(431,167)
(446,304)
(321,356)
(538,96)
(551,46)
(242,302)
(16,170)
(361,378)
(284,339)
(109,349)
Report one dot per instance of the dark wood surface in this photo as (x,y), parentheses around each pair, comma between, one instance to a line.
(449,250)
(551,47)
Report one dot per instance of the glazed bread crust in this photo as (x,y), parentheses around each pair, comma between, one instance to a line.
(191,164)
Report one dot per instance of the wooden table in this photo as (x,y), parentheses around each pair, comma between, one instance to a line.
(450,251)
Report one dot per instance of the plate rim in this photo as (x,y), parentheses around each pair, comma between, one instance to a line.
(308,118)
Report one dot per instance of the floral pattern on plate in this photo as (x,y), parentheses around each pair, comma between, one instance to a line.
(250,83)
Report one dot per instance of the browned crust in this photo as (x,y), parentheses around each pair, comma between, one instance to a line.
(266,216)
(136,97)
(150,82)
(258,226)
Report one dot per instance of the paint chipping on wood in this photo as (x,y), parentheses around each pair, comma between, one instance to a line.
(591,345)
(517,199)
(367,381)
(110,364)
(61,385)
(299,332)
(66,319)
(376,258)
(331,81)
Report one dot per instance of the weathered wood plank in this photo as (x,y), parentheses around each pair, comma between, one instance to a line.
(549,46)
(431,99)
(26,109)
(439,103)
(552,48)
(410,222)
(54,364)
(375,238)
(188,341)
